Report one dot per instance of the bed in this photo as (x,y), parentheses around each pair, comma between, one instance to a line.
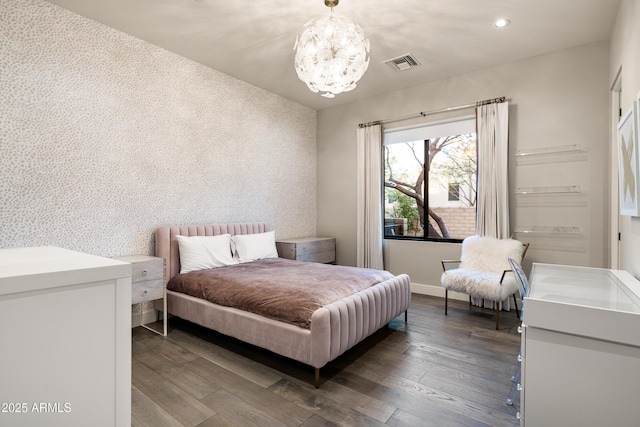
(332,329)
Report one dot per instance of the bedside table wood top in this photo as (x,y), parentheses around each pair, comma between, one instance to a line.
(305,239)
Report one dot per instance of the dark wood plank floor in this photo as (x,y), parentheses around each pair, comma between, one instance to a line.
(432,371)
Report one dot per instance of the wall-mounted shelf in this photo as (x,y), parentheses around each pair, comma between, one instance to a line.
(547,229)
(553,154)
(572,148)
(565,189)
(561,195)
(552,237)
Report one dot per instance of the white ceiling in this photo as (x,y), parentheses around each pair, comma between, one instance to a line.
(253,40)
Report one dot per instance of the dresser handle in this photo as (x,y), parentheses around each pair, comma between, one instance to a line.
(144,294)
(144,272)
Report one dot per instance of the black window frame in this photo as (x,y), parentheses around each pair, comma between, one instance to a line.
(425,195)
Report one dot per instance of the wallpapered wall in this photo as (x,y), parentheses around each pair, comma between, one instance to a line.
(104,137)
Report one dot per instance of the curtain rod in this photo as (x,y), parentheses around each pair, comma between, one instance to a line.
(442,110)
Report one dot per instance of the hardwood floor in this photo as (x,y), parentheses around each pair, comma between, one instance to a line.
(435,370)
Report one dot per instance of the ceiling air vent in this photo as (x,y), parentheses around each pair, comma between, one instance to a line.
(403,62)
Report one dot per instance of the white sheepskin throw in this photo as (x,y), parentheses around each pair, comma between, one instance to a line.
(483,261)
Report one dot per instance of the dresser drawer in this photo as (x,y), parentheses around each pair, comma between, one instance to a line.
(151,269)
(148,284)
(147,290)
(325,257)
(147,277)
(144,267)
(315,246)
(311,249)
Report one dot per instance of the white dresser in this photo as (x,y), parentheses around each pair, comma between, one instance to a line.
(65,334)
(581,348)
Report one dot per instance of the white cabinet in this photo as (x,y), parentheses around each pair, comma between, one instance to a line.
(65,334)
(581,348)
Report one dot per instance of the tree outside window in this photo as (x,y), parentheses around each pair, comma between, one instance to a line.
(430,188)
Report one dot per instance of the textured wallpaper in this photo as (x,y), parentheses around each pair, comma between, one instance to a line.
(104,137)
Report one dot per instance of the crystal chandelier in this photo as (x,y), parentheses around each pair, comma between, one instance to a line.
(332,54)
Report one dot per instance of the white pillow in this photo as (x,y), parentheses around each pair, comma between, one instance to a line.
(202,252)
(252,247)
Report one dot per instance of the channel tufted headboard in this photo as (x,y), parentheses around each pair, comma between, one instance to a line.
(167,244)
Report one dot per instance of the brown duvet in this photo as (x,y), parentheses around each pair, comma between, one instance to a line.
(281,289)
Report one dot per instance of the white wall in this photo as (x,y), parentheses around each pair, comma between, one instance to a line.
(555,99)
(104,137)
(625,46)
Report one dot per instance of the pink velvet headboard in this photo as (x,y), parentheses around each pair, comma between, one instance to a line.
(167,244)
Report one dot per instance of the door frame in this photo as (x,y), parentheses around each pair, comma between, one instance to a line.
(614,209)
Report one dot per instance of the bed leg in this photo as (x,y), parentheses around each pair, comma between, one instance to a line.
(405,315)
(316,381)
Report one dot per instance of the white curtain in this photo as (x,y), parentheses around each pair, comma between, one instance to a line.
(369,207)
(492,123)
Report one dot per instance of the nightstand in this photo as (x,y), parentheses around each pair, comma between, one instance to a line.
(311,249)
(147,284)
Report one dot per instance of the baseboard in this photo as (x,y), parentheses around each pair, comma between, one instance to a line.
(436,291)
(145,317)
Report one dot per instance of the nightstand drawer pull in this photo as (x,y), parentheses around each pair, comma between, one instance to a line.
(148,270)
(147,291)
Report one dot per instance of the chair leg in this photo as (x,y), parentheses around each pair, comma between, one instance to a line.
(515,302)
(446,300)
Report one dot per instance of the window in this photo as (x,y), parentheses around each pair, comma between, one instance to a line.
(430,181)
(454,191)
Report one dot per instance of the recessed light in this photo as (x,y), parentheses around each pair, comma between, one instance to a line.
(502,23)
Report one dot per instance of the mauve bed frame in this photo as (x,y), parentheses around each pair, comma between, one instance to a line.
(335,328)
